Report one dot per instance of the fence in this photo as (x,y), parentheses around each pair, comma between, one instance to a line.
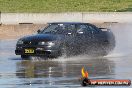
(42,18)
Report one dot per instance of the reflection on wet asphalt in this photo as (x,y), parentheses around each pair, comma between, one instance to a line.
(62,72)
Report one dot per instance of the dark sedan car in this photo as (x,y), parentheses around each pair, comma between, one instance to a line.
(66,38)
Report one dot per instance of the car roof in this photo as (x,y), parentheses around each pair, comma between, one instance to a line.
(67,23)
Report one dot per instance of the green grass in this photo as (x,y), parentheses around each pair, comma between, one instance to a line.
(65,5)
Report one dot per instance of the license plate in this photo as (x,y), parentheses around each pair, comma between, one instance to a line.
(29,51)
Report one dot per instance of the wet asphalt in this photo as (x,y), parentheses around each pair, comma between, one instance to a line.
(66,72)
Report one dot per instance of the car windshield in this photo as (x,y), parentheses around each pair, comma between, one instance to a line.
(59,29)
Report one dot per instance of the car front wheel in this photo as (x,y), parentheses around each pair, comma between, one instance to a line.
(25,57)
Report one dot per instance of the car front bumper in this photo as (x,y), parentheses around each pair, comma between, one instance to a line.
(37,52)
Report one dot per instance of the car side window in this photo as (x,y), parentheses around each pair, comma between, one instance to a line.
(70,27)
(81,28)
(67,28)
(50,29)
(92,28)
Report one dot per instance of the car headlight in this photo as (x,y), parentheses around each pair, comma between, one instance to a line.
(50,43)
(19,42)
(41,43)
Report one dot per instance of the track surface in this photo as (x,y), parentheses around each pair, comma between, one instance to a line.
(65,72)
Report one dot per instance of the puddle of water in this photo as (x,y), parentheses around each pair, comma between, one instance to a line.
(66,72)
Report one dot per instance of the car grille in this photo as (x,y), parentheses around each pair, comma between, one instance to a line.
(30,43)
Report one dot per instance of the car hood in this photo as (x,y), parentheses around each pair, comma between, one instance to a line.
(41,37)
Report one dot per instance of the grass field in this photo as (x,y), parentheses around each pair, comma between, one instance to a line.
(65,5)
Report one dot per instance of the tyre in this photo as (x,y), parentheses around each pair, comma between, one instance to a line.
(25,57)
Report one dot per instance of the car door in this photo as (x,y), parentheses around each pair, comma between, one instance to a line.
(69,36)
(95,35)
(84,38)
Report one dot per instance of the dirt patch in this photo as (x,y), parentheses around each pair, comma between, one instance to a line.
(17,31)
